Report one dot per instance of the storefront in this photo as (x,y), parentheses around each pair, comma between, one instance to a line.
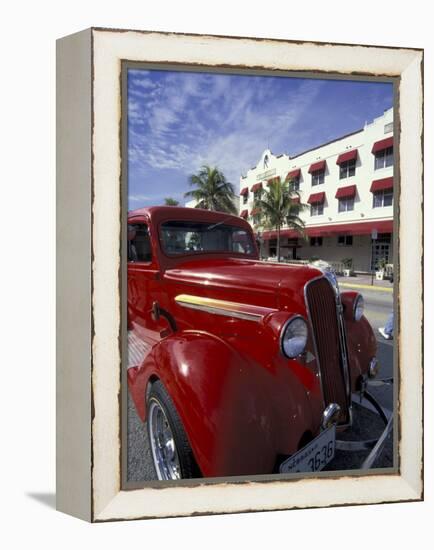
(335,244)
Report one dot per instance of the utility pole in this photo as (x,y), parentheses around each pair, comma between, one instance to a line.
(374,236)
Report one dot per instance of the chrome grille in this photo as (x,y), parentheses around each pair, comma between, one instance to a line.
(321,303)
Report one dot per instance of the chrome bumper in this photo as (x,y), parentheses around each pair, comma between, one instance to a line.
(376,445)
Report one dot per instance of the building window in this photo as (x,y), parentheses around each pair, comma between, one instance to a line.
(345,240)
(257,194)
(318,177)
(295,183)
(388,128)
(346,205)
(384,238)
(382,198)
(245,198)
(272,247)
(316,241)
(317,209)
(384,158)
(381,250)
(347,169)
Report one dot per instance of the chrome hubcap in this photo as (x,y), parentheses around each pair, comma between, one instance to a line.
(163,446)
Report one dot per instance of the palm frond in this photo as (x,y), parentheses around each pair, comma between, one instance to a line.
(213,191)
(278,208)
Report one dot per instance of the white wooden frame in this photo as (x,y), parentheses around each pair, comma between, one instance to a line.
(88,263)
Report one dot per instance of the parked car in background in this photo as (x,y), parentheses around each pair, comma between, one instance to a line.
(249,365)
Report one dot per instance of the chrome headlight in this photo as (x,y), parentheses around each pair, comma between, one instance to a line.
(294,337)
(359,307)
(331,276)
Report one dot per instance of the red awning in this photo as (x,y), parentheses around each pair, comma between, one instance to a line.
(255,211)
(256,187)
(345,157)
(316,198)
(381,185)
(348,192)
(273,180)
(358,228)
(293,174)
(382,144)
(244,191)
(295,200)
(317,166)
(291,233)
(244,214)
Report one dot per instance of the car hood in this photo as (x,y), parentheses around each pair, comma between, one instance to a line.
(251,281)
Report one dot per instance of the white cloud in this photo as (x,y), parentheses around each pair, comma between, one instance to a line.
(139,198)
(146,84)
(199,118)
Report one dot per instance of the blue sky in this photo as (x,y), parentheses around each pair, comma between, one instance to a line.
(178,121)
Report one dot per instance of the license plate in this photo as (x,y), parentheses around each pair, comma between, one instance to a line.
(314,456)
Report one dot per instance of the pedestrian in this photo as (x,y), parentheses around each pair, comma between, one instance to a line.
(387,331)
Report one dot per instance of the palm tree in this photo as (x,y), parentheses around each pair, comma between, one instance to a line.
(280,205)
(168,201)
(213,191)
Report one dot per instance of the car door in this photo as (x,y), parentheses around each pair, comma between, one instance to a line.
(143,281)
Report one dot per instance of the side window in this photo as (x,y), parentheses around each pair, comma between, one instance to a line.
(139,243)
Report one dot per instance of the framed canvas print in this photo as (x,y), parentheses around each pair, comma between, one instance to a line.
(239,319)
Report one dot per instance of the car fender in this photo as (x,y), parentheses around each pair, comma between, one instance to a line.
(361,341)
(362,347)
(238,414)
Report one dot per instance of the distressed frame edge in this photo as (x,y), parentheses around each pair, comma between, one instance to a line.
(113,510)
(411,321)
(73,275)
(254,38)
(411,490)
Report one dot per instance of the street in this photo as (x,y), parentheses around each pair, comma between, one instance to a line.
(367,424)
(378,305)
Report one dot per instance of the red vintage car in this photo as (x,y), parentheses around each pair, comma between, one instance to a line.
(239,366)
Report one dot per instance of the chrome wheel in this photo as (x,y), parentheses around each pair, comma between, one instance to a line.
(162,442)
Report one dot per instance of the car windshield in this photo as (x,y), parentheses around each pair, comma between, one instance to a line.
(189,237)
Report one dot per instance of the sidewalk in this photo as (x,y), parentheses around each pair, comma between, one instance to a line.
(364,281)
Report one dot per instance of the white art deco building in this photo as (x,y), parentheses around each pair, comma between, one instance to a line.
(348,187)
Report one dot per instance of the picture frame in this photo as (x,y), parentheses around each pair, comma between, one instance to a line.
(90,312)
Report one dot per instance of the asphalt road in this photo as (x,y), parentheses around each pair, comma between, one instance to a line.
(139,459)
(378,305)
(367,424)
